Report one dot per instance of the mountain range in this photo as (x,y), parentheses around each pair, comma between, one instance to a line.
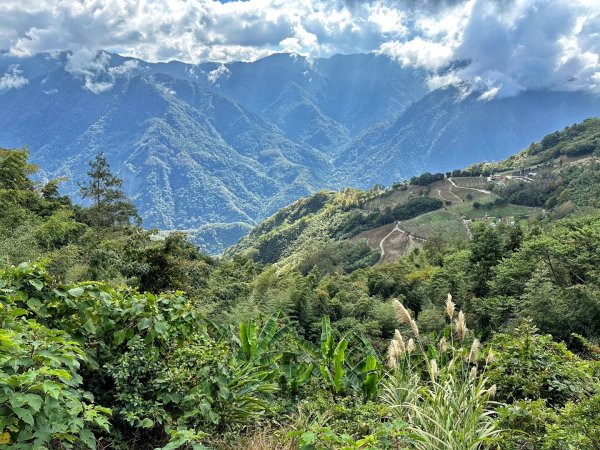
(215,148)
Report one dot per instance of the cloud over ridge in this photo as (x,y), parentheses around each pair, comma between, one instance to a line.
(497,48)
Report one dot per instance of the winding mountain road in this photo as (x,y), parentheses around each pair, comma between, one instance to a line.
(483,191)
(439,191)
(457,197)
(400,230)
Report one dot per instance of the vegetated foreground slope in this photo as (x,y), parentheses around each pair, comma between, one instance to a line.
(213,149)
(551,179)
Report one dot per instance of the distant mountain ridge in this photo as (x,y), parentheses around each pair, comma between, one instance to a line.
(216,148)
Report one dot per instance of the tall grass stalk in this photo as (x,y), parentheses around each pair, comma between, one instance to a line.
(440,391)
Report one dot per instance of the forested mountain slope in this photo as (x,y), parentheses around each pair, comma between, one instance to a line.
(553,178)
(443,131)
(213,149)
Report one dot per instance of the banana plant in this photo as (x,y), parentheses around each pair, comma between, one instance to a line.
(294,372)
(329,357)
(261,347)
(333,358)
(366,374)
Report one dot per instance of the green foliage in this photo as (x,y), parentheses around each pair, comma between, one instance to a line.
(426,178)
(576,140)
(486,252)
(308,233)
(169,264)
(294,347)
(532,366)
(323,423)
(332,359)
(415,207)
(41,397)
(15,170)
(577,426)
(110,206)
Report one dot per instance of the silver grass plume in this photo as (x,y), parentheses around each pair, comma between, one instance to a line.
(434,369)
(393,353)
(443,345)
(450,306)
(461,327)
(401,312)
(490,357)
(398,338)
(414,328)
(474,352)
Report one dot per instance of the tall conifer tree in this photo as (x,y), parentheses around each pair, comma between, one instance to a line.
(110,206)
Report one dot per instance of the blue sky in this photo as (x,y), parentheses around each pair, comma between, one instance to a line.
(511,45)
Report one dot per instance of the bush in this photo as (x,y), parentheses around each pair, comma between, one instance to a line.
(532,366)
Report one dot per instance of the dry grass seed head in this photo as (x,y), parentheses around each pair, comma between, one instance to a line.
(474,352)
(461,327)
(401,312)
(434,369)
(414,328)
(398,338)
(393,353)
(473,373)
(450,306)
(443,345)
(490,356)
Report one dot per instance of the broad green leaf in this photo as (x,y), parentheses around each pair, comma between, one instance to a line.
(326,339)
(24,415)
(88,438)
(39,285)
(144,323)
(89,326)
(34,401)
(308,438)
(18,312)
(147,423)
(77,291)
(34,303)
(119,337)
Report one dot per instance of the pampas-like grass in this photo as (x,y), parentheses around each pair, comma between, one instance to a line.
(415,329)
(401,312)
(461,327)
(490,357)
(444,400)
(443,345)
(393,353)
(474,352)
(400,340)
(450,306)
(433,367)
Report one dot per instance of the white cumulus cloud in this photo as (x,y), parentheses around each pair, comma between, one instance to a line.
(12,79)
(496,47)
(220,72)
(505,47)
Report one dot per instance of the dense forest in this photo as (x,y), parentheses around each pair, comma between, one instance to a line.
(117,337)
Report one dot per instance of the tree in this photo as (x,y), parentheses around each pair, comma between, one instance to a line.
(110,206)
(486,251)
(15,170)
